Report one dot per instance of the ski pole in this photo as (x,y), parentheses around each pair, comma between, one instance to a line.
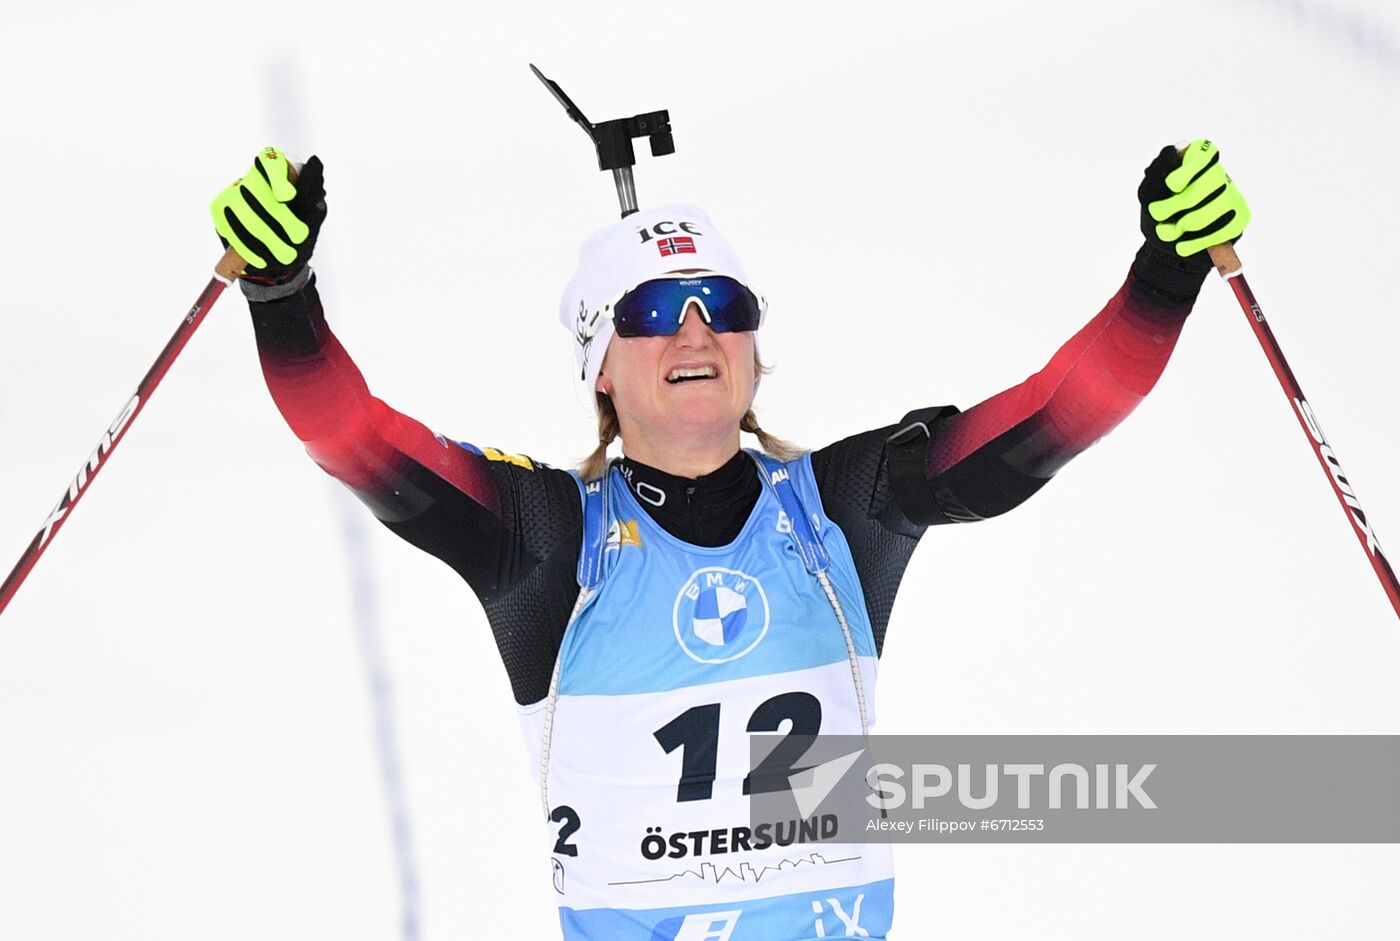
(1228,264)
(229,268)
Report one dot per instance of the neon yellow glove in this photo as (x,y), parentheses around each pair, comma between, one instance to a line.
(271,221)
(1189,203)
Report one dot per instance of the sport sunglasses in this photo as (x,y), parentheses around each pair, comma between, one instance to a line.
(656,308)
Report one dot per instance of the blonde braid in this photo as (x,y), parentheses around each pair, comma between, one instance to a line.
(780,448)
(596,463)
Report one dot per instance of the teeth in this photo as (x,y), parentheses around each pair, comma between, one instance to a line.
(699,372)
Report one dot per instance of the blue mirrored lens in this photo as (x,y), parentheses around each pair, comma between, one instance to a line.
(654,308)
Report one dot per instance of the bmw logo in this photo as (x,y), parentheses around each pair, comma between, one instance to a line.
(720,615)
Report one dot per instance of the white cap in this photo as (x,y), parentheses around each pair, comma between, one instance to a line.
(618,257)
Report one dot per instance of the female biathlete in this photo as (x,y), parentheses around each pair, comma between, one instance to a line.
(655,610)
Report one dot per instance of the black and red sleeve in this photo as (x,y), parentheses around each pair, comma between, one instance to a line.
(992,457)
(507,525)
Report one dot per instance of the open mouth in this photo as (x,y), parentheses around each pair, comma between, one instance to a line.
(690,374)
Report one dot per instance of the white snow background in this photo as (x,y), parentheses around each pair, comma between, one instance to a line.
(934,196)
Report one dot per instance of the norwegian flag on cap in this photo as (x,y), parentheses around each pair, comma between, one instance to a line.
(679,245)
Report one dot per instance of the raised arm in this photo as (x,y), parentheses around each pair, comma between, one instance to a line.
(476,510)
(392,462)
(990,458)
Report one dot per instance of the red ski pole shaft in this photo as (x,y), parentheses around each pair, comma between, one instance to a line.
(229,268)
(1228,264)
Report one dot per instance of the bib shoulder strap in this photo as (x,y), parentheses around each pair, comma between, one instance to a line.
(777,476)
(595,531)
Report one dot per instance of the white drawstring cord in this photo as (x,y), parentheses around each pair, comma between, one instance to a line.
(850,651)
(583,596)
